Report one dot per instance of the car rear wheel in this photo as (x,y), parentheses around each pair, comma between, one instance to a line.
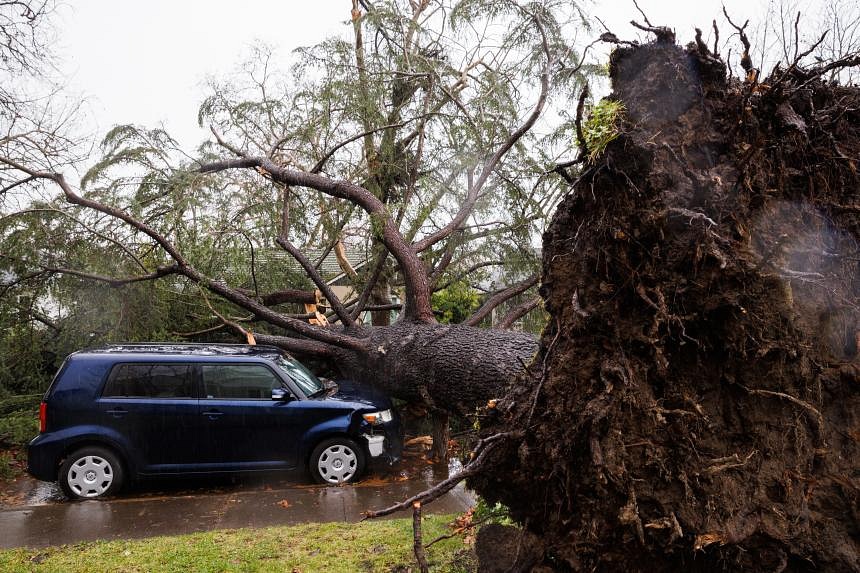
(91,472)
(336,461)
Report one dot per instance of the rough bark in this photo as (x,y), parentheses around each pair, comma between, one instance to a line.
(441,435)
(694,405)
(450,367)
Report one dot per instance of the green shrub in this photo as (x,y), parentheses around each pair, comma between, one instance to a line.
(7,466)
(18,428)
(15,403)
(456,303)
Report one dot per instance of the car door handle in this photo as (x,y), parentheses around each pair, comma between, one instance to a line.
(117,412)
(213,414)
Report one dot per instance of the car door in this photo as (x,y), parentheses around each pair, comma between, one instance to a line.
(152,406)
(243,427)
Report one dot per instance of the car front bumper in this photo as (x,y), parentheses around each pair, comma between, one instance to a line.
(384,445)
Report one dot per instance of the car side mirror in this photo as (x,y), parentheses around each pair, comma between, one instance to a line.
(281,394)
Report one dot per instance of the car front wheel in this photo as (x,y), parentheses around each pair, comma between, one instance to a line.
(91,472)
(336,461)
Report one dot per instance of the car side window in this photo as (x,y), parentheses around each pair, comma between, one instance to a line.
(146,380)
(238,381)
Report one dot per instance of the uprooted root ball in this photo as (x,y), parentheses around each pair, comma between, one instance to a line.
(697,387)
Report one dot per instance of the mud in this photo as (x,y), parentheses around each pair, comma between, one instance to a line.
(696,398)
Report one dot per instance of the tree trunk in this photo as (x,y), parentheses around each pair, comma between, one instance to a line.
(459,367)
(381,295)
(441,434)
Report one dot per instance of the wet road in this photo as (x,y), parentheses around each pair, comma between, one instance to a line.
(47,519)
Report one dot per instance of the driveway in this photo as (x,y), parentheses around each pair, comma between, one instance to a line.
(40,516)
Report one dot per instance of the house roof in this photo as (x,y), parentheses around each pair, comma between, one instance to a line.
(329,268)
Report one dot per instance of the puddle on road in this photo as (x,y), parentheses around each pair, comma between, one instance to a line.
(25,490)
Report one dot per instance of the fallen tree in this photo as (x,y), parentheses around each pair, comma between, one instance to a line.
(694,405)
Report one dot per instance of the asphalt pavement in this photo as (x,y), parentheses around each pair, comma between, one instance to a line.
(48,519)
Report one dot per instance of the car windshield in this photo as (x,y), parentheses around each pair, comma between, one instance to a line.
(309,383)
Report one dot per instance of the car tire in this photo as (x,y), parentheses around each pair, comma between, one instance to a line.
(336,461)
(91,472)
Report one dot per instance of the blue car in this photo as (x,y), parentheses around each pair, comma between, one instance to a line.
(131,411)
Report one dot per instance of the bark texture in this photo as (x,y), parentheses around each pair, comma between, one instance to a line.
(448,367)
(696,399)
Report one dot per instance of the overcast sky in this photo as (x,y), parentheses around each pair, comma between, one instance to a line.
(146,62)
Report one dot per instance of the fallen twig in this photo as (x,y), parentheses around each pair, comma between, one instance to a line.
(479,457)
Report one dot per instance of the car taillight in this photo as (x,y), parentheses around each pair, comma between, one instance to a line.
(43,417)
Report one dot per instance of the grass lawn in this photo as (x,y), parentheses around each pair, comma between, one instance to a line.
(383,545)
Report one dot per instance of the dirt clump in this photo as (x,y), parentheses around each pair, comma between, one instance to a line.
(695,404)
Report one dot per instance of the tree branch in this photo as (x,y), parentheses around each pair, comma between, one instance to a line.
(318,167)
(183,268)
(297,345)
(479,458)
(116,282)
(285,296)
(417,290)
(493,161)
(499,298)
(580,136)
(378,267)
(469,271)
(314,275)
(518,312)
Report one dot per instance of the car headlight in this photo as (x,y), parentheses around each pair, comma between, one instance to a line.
(376,418)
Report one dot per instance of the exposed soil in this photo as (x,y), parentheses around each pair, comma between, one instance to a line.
(696,396)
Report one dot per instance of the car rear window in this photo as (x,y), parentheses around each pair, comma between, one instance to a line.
(238,381)
(147,380)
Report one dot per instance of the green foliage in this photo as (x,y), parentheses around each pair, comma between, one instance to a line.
(433,103)
(7,466)
(18,428)
(496,513)
(27,361)
(455,303)
(19,423)
(12,404)
(602,126)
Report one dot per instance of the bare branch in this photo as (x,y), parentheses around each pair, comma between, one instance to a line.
(479,458)
(664,34)
(580,136)
(468,271)
(318,167)
(443,263)
(378,267)
(297,345)
(499,298)
(162,271)
(285,296)
(16,184)
(314,275)
(235,151)
(417,542)
(644,17)
(518,312)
